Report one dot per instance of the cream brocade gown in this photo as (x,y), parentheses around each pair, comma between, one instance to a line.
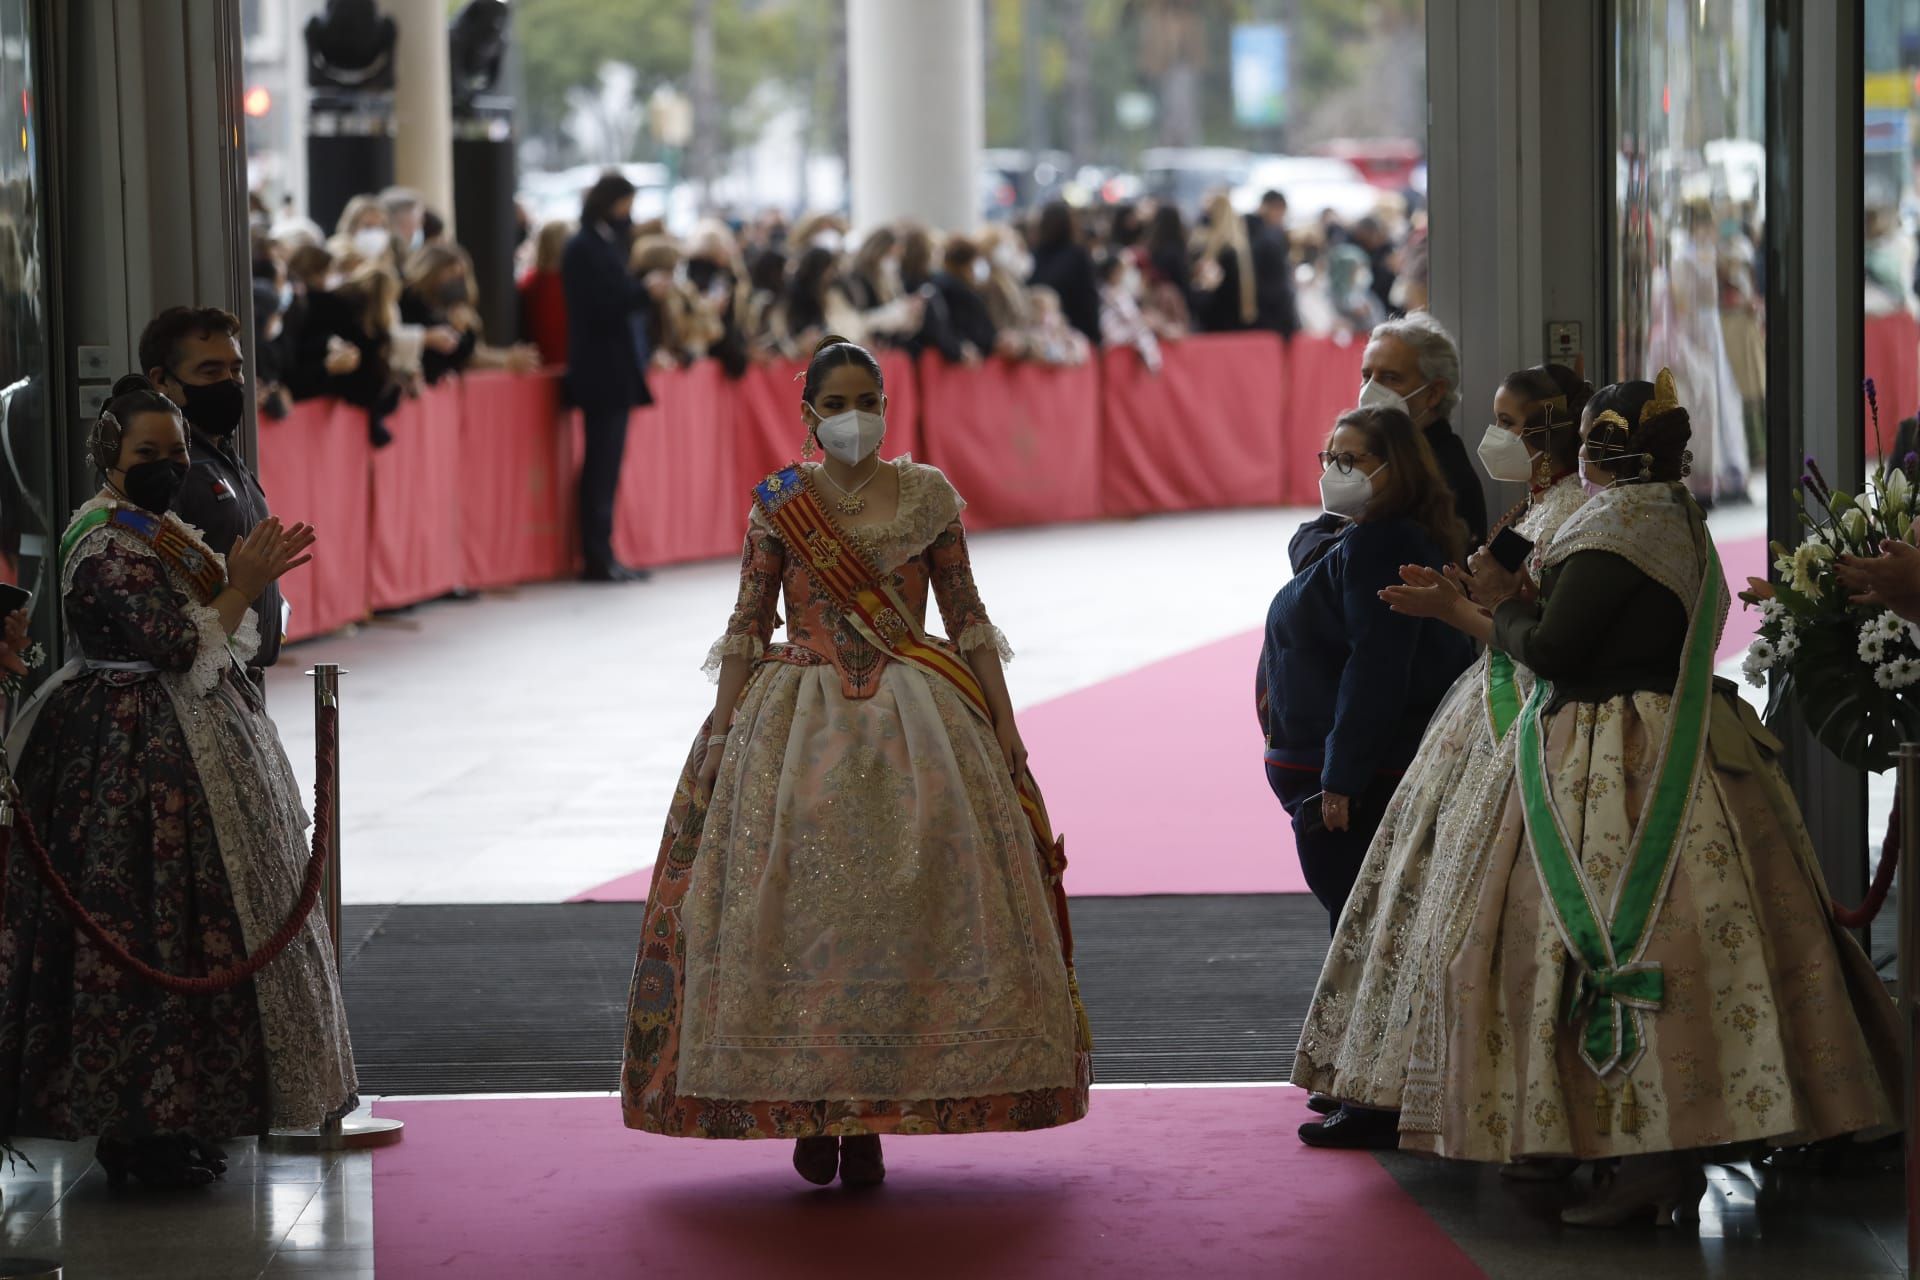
(1371,1033)
(857,934)
(1773,1026)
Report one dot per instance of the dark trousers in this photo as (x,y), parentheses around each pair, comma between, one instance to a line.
(1330,860)
(606,431)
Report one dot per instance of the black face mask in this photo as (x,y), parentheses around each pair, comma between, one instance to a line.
(153,485)
(215,408)
(702,273)
(454,292)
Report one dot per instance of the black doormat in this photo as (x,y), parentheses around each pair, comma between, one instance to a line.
(517,999)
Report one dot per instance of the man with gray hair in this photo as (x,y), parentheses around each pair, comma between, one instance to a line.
(1412,364)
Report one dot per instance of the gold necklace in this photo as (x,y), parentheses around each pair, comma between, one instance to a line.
(850,502)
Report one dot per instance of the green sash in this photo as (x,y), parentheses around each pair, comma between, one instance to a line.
(1503,695)
(1615,987)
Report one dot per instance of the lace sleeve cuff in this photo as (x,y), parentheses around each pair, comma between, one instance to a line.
(213,656)
(244,643)
(735,646)
(984,635)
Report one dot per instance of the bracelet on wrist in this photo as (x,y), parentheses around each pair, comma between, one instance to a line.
(717,740)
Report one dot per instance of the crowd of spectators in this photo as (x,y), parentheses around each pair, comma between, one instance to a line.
(379,309)
(1049,289)
(384,305)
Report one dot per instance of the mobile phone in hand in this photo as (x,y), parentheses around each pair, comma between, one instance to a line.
(1509,549)
(12,598)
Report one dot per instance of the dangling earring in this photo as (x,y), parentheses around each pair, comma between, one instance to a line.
(806,448)
(1542,470)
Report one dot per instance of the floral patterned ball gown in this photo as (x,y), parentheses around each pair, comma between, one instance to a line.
(863,932)
(159,788)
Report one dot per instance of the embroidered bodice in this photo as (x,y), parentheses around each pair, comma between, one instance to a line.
(921,551)
(126,604)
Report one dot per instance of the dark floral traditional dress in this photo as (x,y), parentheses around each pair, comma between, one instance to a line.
(158,786)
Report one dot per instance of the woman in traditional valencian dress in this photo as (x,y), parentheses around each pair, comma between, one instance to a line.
(152,777)
(1650,969)
(856,925)
(1421,867)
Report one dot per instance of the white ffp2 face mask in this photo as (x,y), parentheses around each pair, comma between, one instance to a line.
(1375,396)
(1505,455)
(850,437)
(371,242)
(1346,495)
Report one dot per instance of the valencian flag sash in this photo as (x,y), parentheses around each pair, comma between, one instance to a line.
(1615,986)
(836,567)
(172,543)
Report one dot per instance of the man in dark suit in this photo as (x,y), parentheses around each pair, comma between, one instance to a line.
(606,361)
(1273,267)
(192,356)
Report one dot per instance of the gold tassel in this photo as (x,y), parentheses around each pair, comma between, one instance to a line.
(1631,1116)
(1083,1030)
(1602,1111)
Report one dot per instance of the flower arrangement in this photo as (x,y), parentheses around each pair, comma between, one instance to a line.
(1845,666)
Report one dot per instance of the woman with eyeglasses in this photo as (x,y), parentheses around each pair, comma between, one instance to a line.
(1345,686)
(1369,1034)
(1650,971)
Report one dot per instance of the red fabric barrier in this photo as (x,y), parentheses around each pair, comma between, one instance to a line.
(1203,432)
(314,465)
(1892,359)
(1021,442)
(517,481)
(414,550)
(679,499)
(1325,383)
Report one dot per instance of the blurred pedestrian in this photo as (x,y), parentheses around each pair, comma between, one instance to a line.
(607,313)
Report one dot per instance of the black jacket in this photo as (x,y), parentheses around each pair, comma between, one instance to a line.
(606,324)
(222,498)
(1067,269)
(434,365)
(966,312)
(1273,278)
(1469,499)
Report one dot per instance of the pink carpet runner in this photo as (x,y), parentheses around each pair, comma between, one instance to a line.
(1154,1183)
(1155,776)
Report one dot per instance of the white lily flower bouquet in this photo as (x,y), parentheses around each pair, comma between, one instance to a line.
(1846,666)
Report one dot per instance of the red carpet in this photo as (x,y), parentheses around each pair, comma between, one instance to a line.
(1155,1182)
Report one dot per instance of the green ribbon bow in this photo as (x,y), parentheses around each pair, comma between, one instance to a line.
(1609,1000)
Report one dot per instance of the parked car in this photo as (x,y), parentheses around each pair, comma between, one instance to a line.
(1312,185)
(1012,179)
(1388,163)
(1186,176)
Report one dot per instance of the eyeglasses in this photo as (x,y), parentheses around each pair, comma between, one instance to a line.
(1345,462)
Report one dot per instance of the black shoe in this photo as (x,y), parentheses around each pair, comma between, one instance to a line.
(615,573)
(1322,1104)
(817,1159)
(1352,1129)
(629,573)
(168,1163)
(860,1162)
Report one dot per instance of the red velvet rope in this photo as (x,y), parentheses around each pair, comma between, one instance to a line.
(1861,916)
(327,721)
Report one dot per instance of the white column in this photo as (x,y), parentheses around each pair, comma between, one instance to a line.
(916,111)
(423,104)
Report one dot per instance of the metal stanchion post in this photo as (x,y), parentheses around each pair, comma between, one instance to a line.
(1907,938)
(360,1129)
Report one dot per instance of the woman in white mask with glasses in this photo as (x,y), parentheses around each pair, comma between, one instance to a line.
(1345,687)
(856,925)
(1361,1055)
